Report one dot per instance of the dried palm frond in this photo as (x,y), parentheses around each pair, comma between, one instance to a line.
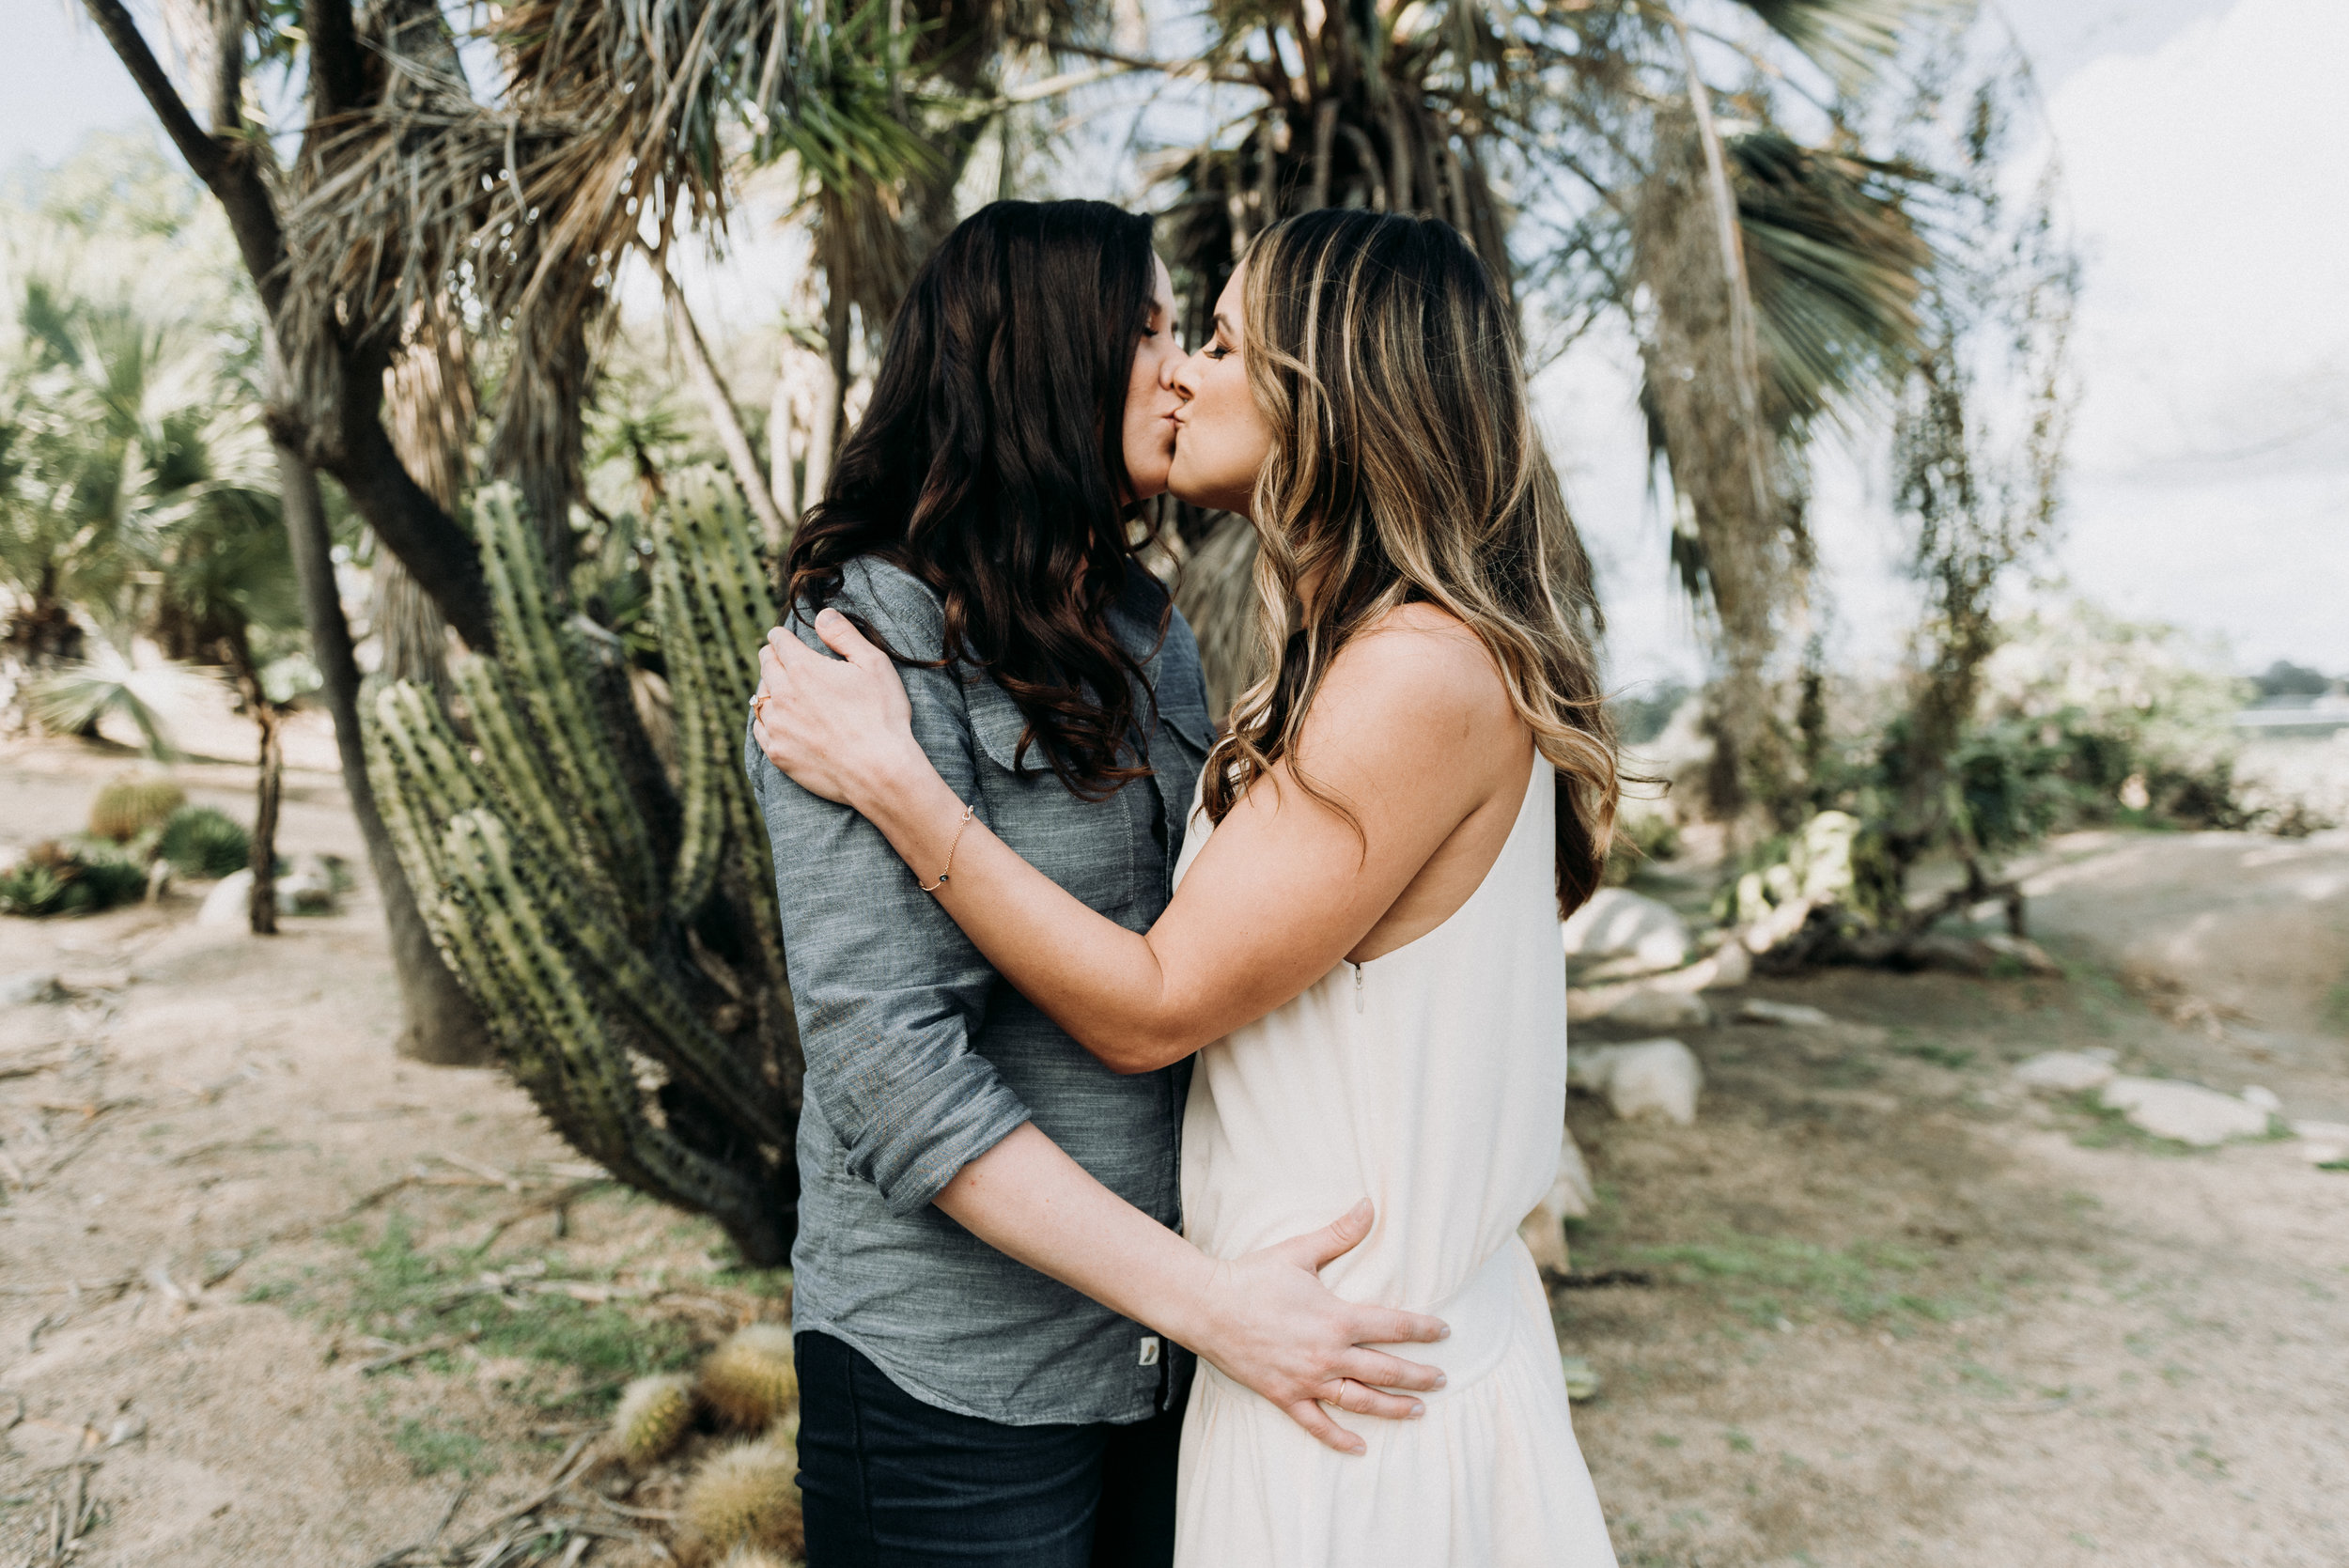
(611,135)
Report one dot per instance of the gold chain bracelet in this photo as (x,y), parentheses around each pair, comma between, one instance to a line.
(953,843)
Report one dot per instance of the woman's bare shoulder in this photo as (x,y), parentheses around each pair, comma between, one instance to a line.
(1422,656)
(1418,691)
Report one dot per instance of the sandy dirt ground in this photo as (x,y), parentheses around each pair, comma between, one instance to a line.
(1876,1307)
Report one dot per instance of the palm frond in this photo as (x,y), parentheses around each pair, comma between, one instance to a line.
(1836,269)
(77,695)
(1846,39)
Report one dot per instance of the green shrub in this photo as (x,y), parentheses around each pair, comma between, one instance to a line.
(2086,718)
(78,878)
(200,841)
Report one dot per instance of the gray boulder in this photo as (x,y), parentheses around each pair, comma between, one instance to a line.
(1620,923)
(1647,1078)
(1657,1009)
(1793,1014)
(1570,1197)
(2066,1071)
(29,987)
(2185,1111)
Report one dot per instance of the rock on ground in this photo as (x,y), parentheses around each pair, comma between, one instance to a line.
(1570,1198)
(2323,1142)
(2066,1071)
(1794,1014)
(2023,951)
(30,987)
(306,889)
(2185,1111)
(1617,920)
(1650,1077)
(1651,1009)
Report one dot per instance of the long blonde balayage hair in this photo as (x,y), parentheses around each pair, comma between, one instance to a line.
(1404,467)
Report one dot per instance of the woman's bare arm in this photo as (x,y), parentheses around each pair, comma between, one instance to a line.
(1266,1319)
(1412,732)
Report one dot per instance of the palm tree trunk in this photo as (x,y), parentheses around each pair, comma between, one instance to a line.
(443,1025)
(263,908)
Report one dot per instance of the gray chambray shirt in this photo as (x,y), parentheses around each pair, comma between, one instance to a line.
(921,1057)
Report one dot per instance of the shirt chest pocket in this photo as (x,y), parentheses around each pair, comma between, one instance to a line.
(1086,847)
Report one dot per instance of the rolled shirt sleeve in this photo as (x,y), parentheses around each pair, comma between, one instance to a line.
(889,990)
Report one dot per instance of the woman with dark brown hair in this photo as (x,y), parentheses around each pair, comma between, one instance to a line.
(973,1389)
(1362,946)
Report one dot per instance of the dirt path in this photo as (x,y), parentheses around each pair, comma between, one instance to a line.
(1910,1317)
(1896,1313)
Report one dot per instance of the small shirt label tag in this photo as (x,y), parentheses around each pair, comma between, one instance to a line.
(1149,1350)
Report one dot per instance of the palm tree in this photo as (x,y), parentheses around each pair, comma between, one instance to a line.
(1589,154)
(143,499)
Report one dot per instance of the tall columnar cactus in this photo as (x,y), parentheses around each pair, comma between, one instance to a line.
(621,935)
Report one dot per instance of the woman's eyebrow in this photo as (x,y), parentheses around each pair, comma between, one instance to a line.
(1224,325)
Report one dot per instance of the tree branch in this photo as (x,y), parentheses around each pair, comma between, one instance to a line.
(437,550)
(722,413)
(228,168)
(229,70)
(204,155)
(338,68)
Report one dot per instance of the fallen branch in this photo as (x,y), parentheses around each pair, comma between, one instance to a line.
(552,1204)
(1604,1279)
(416,1352)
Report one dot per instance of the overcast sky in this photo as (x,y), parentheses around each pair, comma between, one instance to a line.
(2205,154)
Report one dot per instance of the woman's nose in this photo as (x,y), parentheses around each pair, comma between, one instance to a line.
(1183,376)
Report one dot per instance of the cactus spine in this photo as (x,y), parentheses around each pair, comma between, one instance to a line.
(747,1496)
(653,1415)
(640,996)
(752,1380)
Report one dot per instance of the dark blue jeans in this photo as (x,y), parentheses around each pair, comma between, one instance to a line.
(888,1482)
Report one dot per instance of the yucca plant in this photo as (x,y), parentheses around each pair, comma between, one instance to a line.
(616,927)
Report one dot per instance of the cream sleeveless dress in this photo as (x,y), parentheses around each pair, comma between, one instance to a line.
(1432,1079)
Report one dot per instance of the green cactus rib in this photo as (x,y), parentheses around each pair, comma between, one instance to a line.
(702,840)
(736,604)
(414,750)
(513,764)
(674,1034)
(594,1070)
(719,606)
(678,1037)
(715,608)
(748,829)
(537,876)
(544,666)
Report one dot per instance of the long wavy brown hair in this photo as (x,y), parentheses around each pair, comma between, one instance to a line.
(991,464)
(1406,468)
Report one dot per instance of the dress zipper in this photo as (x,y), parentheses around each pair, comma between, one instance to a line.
(1358,987)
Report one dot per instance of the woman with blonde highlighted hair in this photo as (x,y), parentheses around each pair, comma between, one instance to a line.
(1362,945)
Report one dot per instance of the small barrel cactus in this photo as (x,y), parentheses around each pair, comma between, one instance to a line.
(751,1380)
(653,1417)
(756,1557)
(131,803)
(746,1497)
